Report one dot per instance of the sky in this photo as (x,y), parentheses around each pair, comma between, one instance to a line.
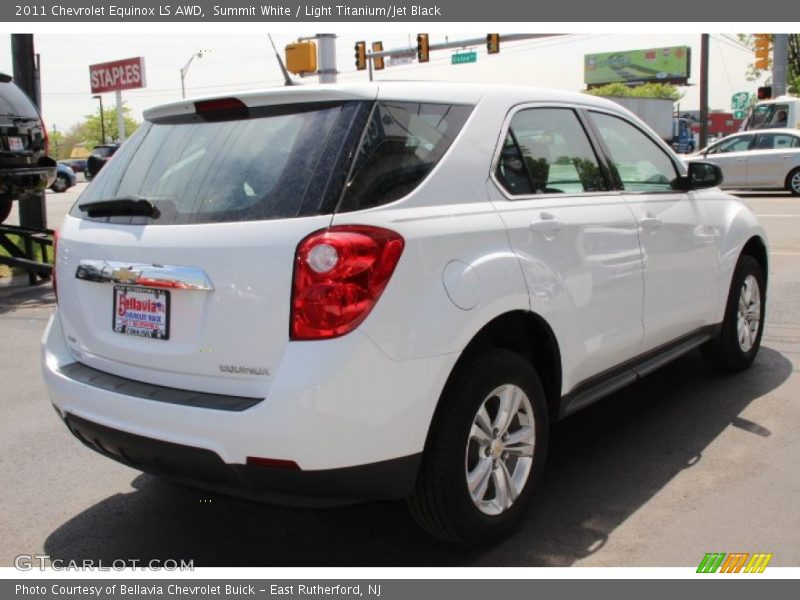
(246,61)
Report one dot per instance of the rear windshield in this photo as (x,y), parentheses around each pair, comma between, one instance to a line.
(14,102)
(277,162)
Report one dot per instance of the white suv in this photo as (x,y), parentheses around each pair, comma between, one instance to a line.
(322,295)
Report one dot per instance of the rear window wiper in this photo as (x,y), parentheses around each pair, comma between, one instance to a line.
(122,206)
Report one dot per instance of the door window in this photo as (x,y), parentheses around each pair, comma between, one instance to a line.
(775,141)
(546,151)
(638,163)
(737,143)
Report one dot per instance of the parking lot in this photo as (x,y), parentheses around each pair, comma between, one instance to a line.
(683,463)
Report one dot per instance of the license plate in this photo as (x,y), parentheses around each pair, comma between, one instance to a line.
(15,144)
(141,311)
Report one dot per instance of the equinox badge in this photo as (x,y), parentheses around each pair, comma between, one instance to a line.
(244,370)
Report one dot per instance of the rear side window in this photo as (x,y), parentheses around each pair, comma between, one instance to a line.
(14,102)
(276,162)
(547,152)
(775,141)
(403,142)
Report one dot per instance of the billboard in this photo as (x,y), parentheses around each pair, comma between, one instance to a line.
(659,65)
(125,74)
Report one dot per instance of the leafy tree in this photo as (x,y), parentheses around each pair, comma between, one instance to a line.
(647,90)
(88,132)
(793,66)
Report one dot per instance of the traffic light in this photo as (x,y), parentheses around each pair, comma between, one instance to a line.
(762,44)
(377,62)
(361,55)
(492,43)
(423,49)
(301,57)
(764,92)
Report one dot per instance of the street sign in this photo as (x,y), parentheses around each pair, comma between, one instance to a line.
(461,58)
(126,74)
(739,114)
(740,101)
(401,57)
(395,61)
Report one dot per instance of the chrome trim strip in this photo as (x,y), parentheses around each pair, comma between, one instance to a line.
(148,275)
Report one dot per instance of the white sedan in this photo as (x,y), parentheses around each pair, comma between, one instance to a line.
(761,159)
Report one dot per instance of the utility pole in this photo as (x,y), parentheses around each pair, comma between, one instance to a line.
(704,90)
(780,58)
(327,57)
(102,119)
(32,211)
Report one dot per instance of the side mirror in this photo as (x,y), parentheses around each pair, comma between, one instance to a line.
(701,175)
(704,175)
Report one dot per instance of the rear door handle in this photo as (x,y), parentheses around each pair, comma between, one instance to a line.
(547,223)
(650,222)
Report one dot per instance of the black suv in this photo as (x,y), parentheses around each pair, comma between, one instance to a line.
(100,156)
(24,165)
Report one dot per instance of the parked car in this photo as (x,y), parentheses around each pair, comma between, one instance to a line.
(25,167)
(758,159)
(333,294)
(98,158)
(65,178)
(76,164)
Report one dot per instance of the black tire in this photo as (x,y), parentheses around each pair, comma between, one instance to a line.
(61,184)
(725,352)
(441,502)
(5,209)
(793,182)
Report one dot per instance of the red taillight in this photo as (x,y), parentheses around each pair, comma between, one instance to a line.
(339,274)
(55,262)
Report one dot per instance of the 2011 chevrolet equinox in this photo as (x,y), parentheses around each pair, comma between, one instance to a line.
(329,294)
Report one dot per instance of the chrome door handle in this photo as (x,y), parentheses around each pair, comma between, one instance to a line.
(650,222)
(149,275)
(546,224)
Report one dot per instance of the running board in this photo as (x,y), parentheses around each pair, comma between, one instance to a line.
(595,388)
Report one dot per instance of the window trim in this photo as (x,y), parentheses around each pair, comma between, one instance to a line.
(679,167)
(577,110)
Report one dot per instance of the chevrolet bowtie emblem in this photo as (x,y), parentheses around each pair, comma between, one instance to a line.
(125,275)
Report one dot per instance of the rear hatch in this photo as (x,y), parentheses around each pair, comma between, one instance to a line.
(22,138)
(194,292)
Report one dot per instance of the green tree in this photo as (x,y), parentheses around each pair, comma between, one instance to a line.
(88,133)
(92,131)
(793,66)
(647,90)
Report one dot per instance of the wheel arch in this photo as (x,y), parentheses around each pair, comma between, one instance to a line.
(525,333)
(757,248)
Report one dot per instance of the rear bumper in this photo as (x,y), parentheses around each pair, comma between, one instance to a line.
(387,480)
(353,420)
(26,180)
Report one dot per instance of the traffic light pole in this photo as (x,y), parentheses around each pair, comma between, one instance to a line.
(780,58)
(703,90)
(481,41)
(327,57)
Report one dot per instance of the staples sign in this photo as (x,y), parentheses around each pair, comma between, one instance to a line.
(126,74)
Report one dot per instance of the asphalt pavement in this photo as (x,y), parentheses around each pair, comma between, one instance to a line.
(682,463)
